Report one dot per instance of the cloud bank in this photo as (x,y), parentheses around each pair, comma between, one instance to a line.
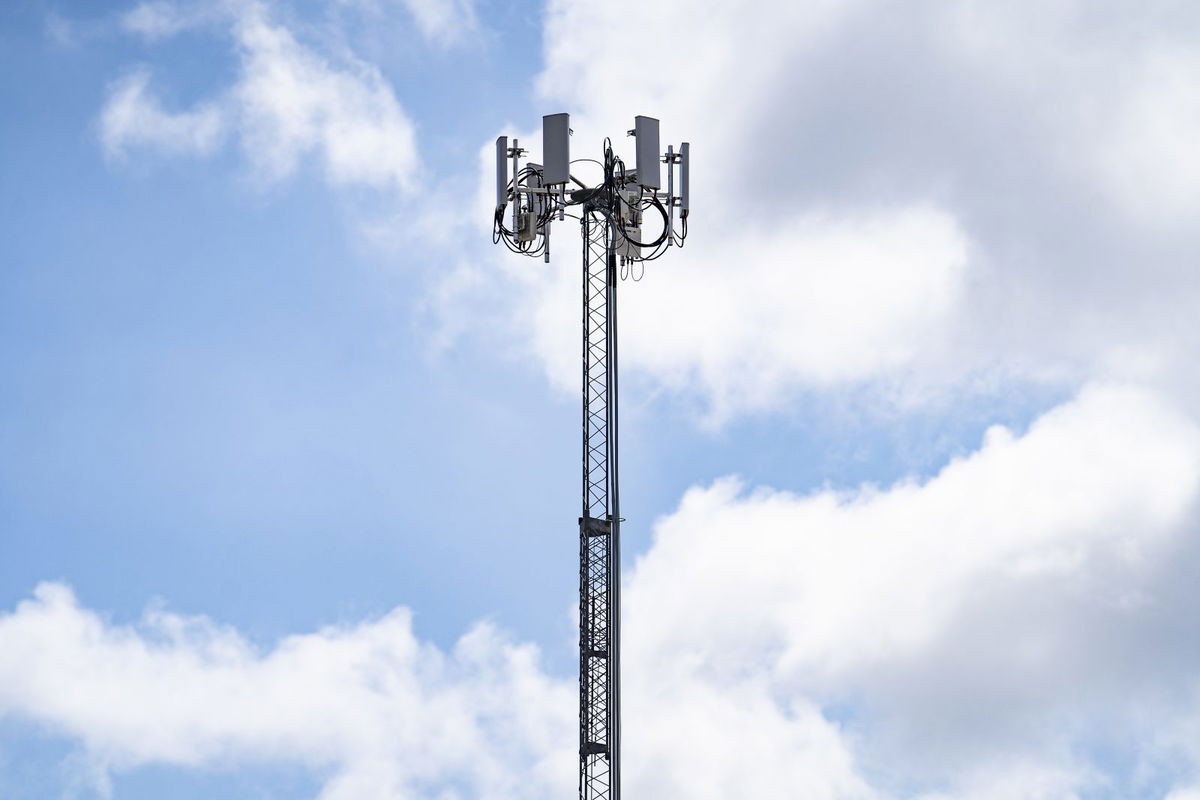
(982,634)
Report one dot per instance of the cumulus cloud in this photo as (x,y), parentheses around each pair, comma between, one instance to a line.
(819,301)
(981,634)
(1111,471)
(979,630)
(1049,143)
(289,104)
(760,304)
(382,713)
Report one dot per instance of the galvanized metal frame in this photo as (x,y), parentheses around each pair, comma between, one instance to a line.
(600,524)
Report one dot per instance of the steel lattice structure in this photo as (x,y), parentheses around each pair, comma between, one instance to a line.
(610,220)
(600,525)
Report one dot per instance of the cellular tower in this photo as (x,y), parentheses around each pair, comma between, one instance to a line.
(611,215)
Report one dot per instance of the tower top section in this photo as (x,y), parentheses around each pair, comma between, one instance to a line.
(531,196)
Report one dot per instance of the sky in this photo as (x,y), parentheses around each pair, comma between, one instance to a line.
(289,449)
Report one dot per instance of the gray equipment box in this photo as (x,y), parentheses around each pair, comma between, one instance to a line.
(556,148)
(645,129)
(526,226)
(627,248)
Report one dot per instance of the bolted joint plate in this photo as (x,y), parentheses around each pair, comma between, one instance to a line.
(591,526)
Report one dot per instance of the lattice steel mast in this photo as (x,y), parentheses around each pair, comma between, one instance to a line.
(600,525)
(611,222)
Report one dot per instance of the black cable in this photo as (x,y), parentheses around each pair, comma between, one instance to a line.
(662,237)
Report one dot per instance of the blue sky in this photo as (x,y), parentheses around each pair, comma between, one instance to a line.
(180,339)
(265,394)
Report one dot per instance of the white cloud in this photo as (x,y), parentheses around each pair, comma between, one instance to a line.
(293,102)
(761,303)
(289,104)
(1111,90)
(978,635)
(712,740)
(980,624)
(819,300)
(132,117)
(863,575)
(1049,144)
(383,714)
